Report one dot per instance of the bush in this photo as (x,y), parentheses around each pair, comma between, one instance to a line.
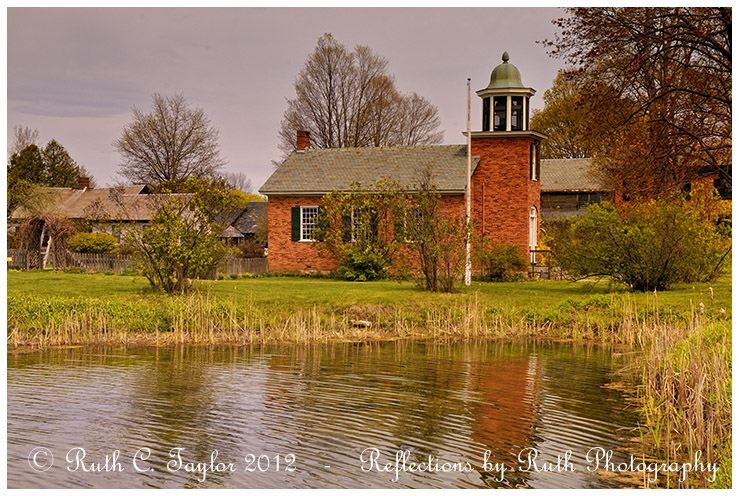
(648,245)
(250,248)
(500,262)
(92,243)
(363,265)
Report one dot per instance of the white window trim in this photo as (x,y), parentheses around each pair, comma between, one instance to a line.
(413,210)
(303,239)
(533,228)
(508,113)
(534,152)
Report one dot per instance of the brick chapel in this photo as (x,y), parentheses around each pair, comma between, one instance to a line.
(505,180)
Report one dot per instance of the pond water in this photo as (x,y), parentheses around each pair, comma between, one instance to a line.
(389,415)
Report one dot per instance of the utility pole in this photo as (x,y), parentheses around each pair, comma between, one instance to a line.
(468,262)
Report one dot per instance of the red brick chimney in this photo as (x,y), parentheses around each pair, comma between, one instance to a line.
(303,142)
(83,182)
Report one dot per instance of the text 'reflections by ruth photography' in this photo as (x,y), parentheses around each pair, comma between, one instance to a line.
(529,460)
(395,464)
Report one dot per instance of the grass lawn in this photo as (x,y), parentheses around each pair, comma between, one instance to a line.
(296,292)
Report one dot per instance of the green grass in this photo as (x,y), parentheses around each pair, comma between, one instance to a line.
(541,296)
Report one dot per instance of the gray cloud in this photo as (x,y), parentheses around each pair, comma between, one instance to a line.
(76,73)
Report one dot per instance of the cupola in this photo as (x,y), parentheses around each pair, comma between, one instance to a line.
(505,101)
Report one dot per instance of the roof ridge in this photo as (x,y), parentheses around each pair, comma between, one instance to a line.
(387,147)
(562,159)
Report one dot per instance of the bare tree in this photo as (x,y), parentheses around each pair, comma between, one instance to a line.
(349,99)
(418,120)
(239,181)
(168,145)
(22,137)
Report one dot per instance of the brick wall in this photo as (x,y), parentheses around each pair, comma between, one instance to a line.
(502,191)
(286,255)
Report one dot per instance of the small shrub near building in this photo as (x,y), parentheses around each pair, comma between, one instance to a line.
(92,243)
(500,262)
(368,264)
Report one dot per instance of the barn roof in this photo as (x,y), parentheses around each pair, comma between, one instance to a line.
(569,174)
(247,222)
(321,171)
(129,203)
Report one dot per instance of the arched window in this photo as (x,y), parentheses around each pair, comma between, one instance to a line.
(533,232)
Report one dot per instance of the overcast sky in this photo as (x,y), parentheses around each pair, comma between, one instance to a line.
(75,73)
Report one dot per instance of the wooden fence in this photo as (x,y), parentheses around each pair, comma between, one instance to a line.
(242,265)
(102,262)
(17,258)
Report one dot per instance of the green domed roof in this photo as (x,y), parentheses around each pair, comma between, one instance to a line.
(505,75)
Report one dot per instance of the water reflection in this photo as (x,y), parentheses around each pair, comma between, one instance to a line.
(323,404)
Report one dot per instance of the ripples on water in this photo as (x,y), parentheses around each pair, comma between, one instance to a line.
(324,404)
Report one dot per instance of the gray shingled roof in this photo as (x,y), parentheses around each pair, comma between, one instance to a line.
(247,222)
(320,171)
(130,203)
(568,174)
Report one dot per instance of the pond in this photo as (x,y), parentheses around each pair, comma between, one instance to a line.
(342,415)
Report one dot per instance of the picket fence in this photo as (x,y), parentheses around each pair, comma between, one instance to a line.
(103,262)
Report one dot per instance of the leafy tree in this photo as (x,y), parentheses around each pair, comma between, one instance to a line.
(32,167)
(386,228)
(356,229)
(348,99)
(241,199)
(60,170)
(569,117)
(436,240)
(673,66)
(181,242)
(648,245)
(169,145)
(26,165)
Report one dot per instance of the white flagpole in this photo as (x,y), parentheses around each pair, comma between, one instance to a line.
(468,262)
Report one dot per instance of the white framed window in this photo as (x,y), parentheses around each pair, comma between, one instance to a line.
(361,224)
(533,232)
(412,224)
(308,222)
(535,162)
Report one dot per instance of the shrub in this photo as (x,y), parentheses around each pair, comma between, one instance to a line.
(92,243)
(181,242)
(250,248)
(648,245)
(500,262)
(367,264)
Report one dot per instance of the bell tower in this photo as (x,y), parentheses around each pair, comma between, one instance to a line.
(505,184)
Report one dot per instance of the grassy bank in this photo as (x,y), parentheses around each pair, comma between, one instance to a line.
(52,308)
(682,338)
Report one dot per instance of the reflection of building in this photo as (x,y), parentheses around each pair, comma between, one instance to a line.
(505,178)
(508,404)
